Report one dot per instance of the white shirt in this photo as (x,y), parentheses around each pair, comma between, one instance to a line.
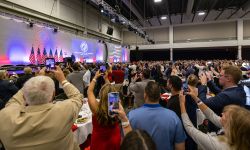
(86,78)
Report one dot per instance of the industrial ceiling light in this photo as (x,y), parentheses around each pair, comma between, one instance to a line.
(157,1)
(163,17)
(201,13)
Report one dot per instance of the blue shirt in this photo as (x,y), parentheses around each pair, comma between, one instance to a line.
(162,124)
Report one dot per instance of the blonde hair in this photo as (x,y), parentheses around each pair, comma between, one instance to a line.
(102,112)
(192,80)
(237,127)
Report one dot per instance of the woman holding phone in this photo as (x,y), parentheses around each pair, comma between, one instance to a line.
(235,121)
(106,131)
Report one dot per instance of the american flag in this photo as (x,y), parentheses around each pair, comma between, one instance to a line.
(38,56)
(50,54)
(32,56)
(61,56)
(44,56)
(56,56)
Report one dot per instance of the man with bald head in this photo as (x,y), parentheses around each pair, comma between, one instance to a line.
(30,121)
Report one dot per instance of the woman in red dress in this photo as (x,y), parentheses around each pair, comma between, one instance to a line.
(106,130)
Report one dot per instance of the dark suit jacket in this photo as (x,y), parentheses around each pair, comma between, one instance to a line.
(234,95)
(21,80)
(7,90)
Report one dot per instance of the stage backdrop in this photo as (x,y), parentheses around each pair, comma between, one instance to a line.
(117,53)
(17,40)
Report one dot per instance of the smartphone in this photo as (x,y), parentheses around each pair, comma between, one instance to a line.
(113,102)
(103,69)
(50,64)
(185,89)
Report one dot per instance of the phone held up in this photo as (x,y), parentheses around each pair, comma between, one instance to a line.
(113,103)
(50,64)
(185,89)
(103,69)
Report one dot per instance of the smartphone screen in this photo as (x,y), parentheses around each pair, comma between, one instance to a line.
(50,64)
(185,89)
(103,68)
(113,102)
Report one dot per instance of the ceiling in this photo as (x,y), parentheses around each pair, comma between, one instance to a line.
(147,13)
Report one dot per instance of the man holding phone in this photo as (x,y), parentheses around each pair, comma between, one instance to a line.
(76,77)
(163,125)
(137,88)
(37,123)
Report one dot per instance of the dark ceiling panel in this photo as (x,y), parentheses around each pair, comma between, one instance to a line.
(148,9)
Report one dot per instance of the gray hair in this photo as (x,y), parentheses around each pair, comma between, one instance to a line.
(38,90)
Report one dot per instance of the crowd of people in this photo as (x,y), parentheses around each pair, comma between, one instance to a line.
(39,108)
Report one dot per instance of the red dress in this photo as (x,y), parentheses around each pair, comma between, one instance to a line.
(105,137)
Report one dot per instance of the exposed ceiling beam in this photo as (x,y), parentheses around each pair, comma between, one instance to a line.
(210,8)
(196,8)
(182,7)
(237,9)
(244,14)
(149,23)
(134,10)
(159,20)
(246,6)
(224,8)
(168,11)
(190,5)
(159,12)
(233,13)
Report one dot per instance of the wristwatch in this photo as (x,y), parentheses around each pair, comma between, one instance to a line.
(125,124)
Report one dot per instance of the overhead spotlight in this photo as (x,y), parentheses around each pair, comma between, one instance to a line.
(157,1)
(117,8)
(31,24)
(163,17)
(201,13)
